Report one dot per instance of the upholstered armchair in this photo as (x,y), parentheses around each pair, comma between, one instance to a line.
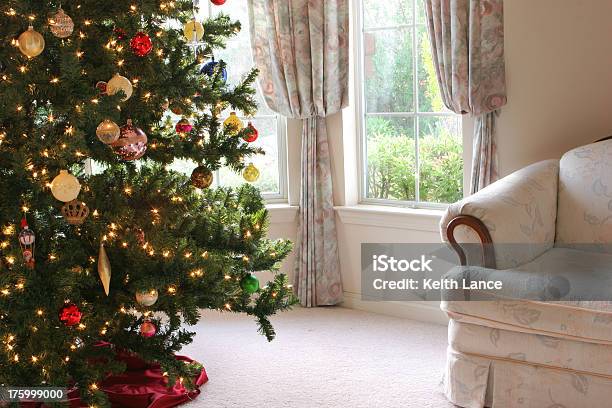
(550,347)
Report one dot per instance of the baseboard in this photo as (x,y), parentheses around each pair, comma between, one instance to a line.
(422,311)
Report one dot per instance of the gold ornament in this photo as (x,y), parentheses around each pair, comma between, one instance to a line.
(233,124)
(104,269)
(147,298)
(61,24)
(251,173)
(65,187)
(108,131)
(119,83)
(201,177)
(75,212)
(193,30)
(31,42)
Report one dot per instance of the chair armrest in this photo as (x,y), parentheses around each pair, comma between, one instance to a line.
(512,219)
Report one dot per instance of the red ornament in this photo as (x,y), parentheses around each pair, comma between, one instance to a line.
(148,329)
(218,2)
(250,134)
(70,315)
(141,44)
(183,126)
(101,87)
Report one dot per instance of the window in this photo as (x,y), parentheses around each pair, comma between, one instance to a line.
(411,145)
(272,127)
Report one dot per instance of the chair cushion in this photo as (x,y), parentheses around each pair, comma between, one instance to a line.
(584,212)
(578,282)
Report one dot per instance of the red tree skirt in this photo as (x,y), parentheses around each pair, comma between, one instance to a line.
(141,386)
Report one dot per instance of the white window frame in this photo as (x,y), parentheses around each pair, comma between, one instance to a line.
(361,114)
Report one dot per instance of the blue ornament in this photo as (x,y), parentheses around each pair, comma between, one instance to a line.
(209,70)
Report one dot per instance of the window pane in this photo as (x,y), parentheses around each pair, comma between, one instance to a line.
(440,159)
(267,164)
(385,13)
(237,54)
(388,71)
(421,14)
(390,158)
(430,99)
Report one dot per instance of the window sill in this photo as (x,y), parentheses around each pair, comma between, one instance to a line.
(282,213)
(415,219)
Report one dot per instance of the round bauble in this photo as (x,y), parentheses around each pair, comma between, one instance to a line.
(119,83)
(132,142)
(218,2)
(108,131)
(148,329)
(251,173)
(208,69)
(251,134)
(75,212)
(193,30)
(141,44)
(250,284)
(101,86)
(183,126)
(61,25)
(176,109)
(70,315)
(233,124)
(201,177)
(31,42)
(65,187)
(147,297)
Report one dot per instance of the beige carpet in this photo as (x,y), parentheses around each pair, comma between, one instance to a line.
(323,357)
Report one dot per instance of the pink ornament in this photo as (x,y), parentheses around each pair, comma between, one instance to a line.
(148,329)
(183,126)
(132,143)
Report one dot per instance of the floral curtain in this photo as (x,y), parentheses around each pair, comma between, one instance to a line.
(467,39)
(301,50)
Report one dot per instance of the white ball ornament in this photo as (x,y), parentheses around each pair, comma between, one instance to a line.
(147,298)
(65,187)
(119,83)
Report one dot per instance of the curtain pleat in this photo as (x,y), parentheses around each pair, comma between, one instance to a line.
(484,166)
(467,40)
(301,50)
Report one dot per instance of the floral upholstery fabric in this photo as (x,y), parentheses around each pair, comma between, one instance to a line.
(510,352)
(528,198)
(585,196)
(301,48)
(476,381)
(539,349)
(591,324)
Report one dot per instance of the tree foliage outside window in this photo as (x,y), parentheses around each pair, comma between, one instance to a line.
(413,146)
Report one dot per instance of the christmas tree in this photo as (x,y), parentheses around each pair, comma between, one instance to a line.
(128,256)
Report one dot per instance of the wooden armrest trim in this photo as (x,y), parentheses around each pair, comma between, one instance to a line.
(486,242)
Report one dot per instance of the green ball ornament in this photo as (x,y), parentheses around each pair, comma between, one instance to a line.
(250,284)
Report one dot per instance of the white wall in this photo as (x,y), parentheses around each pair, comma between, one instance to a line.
(559,78)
